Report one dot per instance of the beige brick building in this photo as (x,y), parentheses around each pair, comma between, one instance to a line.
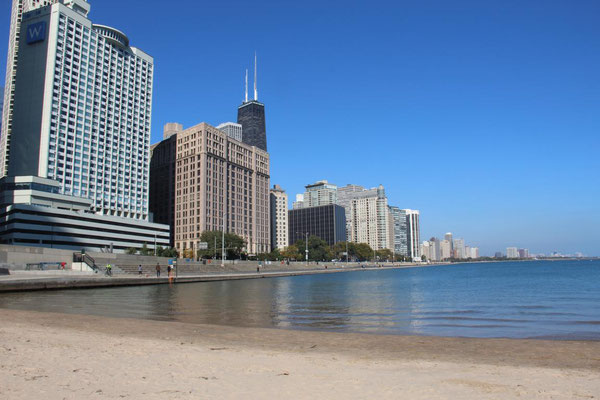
(217,176)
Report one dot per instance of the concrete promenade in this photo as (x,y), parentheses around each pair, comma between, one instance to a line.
(52,280)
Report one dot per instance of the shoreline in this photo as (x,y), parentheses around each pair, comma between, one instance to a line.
(74,356)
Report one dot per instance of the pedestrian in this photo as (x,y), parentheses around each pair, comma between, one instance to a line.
(157,270)
(108,269)
(169,271)
(140,270)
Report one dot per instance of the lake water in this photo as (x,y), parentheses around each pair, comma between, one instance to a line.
(538,299)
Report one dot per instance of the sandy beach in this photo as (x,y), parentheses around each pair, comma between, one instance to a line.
(59,356)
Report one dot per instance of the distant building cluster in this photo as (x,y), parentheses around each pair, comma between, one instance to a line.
(448,248)
(514,252)
(356,214)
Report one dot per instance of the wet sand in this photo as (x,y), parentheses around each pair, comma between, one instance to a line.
(59,356)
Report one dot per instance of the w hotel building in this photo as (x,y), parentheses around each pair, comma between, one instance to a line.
(77,118)
(220,184)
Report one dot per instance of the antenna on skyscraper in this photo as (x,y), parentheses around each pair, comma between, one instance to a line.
(255,90)
(246,86)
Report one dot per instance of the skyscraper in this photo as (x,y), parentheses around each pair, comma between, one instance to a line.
(220,183)
(326,222)
(82,117)
(400,231)
(413,236)
(232,130)
(279,218)
(251,115)
(77,122)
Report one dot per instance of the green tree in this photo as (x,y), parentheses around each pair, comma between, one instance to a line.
(318,250)
(131,250)
(362,251)
(384,255)
(423,257)
(291,253)
(234,245)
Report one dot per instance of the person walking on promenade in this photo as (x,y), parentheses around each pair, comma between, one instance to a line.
(108,269)
(157,270)
(140,270)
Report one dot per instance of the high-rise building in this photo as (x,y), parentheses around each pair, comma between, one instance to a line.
(459,248)
(232,130)
(512,252)
(162,178)
(445,249)
(448,237)
(251,115)
(19,7)
(299,203)
(414,233)
(77,113)
(326,222)
(523,253)
(400,231)
(220,183)
(321,193)
(369,216)
(82,115)
(279,218)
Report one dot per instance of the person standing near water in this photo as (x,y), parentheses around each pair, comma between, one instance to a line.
(140,270)
(157,270)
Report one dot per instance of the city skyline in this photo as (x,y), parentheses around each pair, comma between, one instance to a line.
(496,134)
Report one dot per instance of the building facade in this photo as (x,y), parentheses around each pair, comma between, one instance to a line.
(414,233)
(251,115)
(220,184)
(33,212)
(279,218)
(232,130)
(321,193)
(326,222)
(162,178)
(82,105)
(369,216)
(512,252)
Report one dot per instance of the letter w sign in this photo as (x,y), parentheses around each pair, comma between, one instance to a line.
(36,32)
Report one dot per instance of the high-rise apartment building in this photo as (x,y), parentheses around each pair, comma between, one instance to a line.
(459,248)
(370,215)
(448,237)
(445,249)
(400,231)
(523,253)
(321,193)
(512,252)
(279,218)
(414,233)
(232,130)
(77,116)
(220,183)
(1,106)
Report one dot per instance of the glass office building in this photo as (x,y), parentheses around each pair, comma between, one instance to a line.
(327,222)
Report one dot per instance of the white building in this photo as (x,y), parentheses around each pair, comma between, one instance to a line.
(279,218)
(321,193)
(414,233)
(79,108)
(459,248)
(370,216)
(445,249)
(232,130)
(512,252)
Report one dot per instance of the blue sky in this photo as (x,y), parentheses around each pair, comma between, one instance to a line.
(482,115)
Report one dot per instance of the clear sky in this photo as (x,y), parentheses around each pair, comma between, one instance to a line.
(483,115)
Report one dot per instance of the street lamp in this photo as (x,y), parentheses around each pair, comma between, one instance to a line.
(306,243)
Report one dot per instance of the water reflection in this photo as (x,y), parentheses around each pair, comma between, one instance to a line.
(510,299)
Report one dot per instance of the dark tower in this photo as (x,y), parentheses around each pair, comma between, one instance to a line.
(251,115)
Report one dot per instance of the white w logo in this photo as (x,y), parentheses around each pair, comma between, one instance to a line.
(35,31)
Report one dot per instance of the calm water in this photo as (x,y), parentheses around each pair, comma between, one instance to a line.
(558,300)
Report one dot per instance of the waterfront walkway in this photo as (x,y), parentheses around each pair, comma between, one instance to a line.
(38,280)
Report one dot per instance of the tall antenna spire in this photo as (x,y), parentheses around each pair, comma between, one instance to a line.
(255,90)
(246,99)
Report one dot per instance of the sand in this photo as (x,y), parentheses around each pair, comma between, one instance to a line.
(58,356)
